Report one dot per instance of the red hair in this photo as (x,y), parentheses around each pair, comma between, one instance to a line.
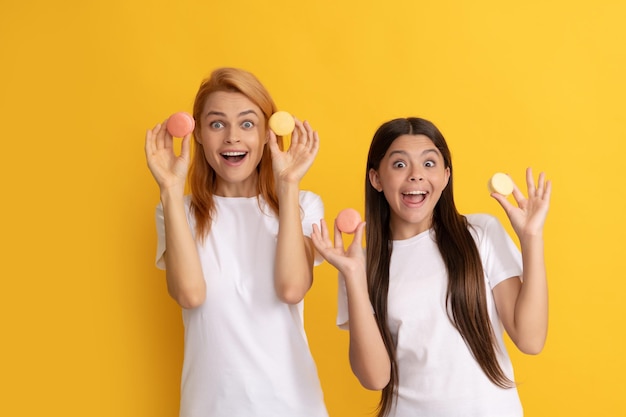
(201,175)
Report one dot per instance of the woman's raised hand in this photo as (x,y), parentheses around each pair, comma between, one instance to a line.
(168,169)
(292,164)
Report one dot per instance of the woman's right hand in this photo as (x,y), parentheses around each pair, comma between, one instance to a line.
(350,261)
(168,169)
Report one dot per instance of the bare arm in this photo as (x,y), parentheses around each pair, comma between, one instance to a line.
(183,272)
(368,356)
(369,359)
(523,304)
(294,252)
(185,282)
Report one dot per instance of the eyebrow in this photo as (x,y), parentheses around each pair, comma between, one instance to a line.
(425,152)
(219,113)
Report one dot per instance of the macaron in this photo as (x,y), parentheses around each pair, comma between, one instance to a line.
(500,183)
(348,220)
(282,123)
(180,124)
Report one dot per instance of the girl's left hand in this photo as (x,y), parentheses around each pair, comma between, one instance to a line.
(292,164)
(530,214)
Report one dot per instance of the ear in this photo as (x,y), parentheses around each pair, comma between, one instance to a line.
(375,180)
(447,177)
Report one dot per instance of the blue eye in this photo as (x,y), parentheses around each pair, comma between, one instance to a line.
(247,124)
(216,125)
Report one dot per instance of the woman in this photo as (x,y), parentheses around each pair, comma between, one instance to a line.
(237,254)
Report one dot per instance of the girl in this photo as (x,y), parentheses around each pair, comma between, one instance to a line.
(440,285)
(236,253)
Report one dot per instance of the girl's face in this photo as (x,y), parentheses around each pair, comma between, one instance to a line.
(412,175)
(233,137)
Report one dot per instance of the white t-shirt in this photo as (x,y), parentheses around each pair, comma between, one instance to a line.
(438,376)
(246,352)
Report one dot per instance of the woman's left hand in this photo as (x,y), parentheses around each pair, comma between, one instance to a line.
(292,164)
(529,216)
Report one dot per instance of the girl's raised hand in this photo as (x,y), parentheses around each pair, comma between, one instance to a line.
(168,169)
(530,214)
(292,164)
(347,261)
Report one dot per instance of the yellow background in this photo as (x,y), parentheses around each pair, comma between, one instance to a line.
(87,326)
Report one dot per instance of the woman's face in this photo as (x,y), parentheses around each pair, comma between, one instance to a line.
(233,136)
(412,175)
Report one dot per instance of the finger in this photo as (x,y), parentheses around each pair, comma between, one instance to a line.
(168,138)
(530,182)
(272,142)
(320,245)
(307,127)
(160,136)
(517,194)
(315,145)
(150,142)
(506,205)
(358,235)
(316,237)
(338,237)
(541,184)
(299,133)
(152,139)
(310,135)
(548,191)
(313,142)
(316,229)
(185,147)
(325,234)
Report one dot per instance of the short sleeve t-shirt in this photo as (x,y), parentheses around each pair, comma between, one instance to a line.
(438,376)
(246,352)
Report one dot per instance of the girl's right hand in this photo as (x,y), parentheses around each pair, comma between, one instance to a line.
(347,261)
(168,169)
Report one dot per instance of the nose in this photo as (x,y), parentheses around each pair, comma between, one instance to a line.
(231,137)
(416,175)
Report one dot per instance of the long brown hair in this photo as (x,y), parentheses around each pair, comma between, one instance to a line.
(466,292)
(202,179)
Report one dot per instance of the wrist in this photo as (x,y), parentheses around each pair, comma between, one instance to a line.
(172,195)
(354,274)
(286,188)
(531,240)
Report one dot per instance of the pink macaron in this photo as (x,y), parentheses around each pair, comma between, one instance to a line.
(180,124)
(348,220)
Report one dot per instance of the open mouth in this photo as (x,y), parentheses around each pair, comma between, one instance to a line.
(414,197)
(234,156)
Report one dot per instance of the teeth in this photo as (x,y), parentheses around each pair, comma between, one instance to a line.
(233,153)
(414,192)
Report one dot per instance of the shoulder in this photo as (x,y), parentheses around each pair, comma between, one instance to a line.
(482,225)
(482,220)
(489,232)
(310,199)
